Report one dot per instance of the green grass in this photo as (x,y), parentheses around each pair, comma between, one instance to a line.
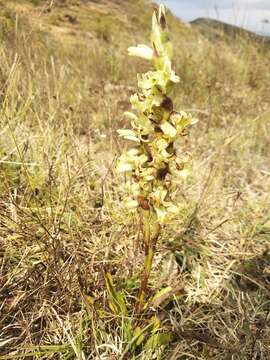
(62,224)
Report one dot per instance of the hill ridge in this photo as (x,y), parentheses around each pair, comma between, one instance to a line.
(213,29)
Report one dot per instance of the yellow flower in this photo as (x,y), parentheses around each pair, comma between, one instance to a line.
(141,51)
(131,160)
(155,126)
(128,134)
(168,130)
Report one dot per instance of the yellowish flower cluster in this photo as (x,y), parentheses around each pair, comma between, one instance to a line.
(153,161)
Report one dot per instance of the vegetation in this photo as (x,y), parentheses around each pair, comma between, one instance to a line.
(69,251)
(215,30)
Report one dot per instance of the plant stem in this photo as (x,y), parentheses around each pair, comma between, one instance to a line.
(149,252)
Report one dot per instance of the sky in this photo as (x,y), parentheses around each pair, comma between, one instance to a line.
(251,14)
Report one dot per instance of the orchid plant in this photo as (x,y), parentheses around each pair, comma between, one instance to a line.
(152,164)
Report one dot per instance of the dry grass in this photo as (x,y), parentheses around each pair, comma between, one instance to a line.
(61,219)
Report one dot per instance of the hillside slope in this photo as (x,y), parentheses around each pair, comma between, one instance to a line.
(104,19)
(215,29)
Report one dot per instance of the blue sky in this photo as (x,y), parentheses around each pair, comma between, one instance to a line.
(251,14)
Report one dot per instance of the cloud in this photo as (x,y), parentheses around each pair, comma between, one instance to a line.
(246,13)
(222,4)
(250,4)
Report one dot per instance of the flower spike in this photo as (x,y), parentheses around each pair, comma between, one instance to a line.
(153,162)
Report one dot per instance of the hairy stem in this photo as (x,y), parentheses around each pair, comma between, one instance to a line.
(149,252)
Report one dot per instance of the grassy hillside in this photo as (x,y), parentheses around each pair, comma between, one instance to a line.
(214,30)
(65,82)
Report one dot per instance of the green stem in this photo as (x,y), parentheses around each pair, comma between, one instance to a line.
(149,252)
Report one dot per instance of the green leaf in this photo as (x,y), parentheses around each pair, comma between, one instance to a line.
(158,340)
(116,299)
(138,334)
(89,299)
(161,296)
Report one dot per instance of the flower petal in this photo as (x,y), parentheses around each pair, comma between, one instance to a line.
(168,129)
(128,134)
(141,51)
(131,204)
(124,167)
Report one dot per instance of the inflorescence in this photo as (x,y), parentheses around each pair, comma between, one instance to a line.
(152,163)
